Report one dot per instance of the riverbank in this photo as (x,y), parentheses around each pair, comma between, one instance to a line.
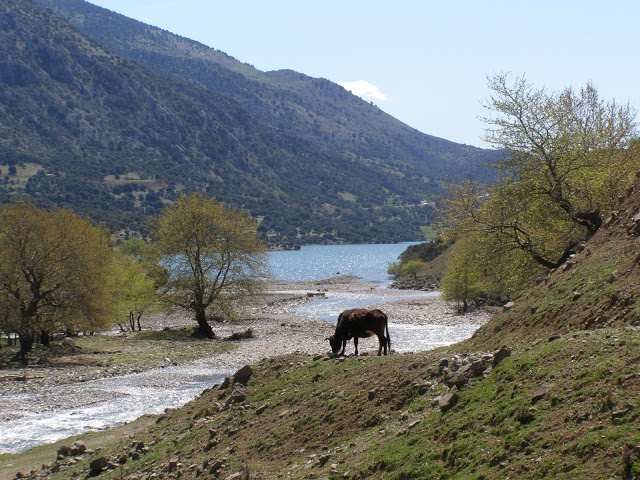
(275,330)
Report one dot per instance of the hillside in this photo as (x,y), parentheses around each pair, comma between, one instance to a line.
(548,389)
(86,129)
(313,108)
(598,287)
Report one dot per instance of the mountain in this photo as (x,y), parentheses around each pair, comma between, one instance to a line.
(313,108)
(86,128)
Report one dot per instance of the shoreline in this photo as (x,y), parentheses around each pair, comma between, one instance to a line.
(277,330)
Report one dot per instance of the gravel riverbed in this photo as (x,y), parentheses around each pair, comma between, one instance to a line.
(276,329)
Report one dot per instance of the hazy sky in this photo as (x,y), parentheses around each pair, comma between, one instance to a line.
(424,62)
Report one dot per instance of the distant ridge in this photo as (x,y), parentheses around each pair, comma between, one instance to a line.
(90,130)
(315,108)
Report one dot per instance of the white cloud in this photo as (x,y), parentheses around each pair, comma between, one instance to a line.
(365,89)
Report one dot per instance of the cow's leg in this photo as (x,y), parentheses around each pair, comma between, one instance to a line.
(382,341)
(344,345)
(355,344)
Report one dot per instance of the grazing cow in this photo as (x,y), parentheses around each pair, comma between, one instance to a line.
(360,323)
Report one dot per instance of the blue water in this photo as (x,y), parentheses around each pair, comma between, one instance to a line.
(155,390)
(367,262)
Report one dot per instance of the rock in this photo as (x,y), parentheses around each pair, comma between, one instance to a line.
(98,464)
(465,373)
(68,342)
(541,392)
(500,355)
(238,395)
(234,476)
(64,451)
(77,448)
(508,306)
(243,374)
(225,383)
(173,464)
(447,401)
(621,412)
(555,337)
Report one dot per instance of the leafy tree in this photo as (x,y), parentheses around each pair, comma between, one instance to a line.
(412,267)
(463,276)
(568,161)
(568,157)
(53,273)
(214,256)
(133,289)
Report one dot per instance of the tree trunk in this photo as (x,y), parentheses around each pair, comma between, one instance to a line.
(204,327)
(26,344)
(139,325)
(45,338)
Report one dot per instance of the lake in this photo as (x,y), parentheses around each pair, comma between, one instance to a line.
(316,262)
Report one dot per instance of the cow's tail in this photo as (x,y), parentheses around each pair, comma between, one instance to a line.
(388,337)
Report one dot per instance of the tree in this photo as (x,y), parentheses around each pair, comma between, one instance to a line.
(412,268)
(568,157)
(53,273)
(568,161)
(213,254)
(463,276)
(133,289)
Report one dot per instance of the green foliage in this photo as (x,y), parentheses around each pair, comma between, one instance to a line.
(571,156)
(214,257)
(426,251)
(133,289)
(412,267)
(464,277)
(53,273)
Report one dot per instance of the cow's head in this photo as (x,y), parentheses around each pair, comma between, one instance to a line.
(335,344)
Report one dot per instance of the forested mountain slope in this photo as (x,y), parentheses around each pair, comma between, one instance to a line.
(85,128)
(313,108)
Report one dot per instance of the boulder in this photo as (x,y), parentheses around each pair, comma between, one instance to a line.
(98,464)
(77,448)
(542,391)
(243,374)
(225,383)
(68,342)
(468,371)
(238,395)
(447,401)
(500,355)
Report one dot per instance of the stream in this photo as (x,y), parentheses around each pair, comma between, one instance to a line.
(125,398)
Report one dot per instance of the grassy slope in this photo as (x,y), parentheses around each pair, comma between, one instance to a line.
(372,417)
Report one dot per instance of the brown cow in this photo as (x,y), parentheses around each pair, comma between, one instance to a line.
(360,323)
